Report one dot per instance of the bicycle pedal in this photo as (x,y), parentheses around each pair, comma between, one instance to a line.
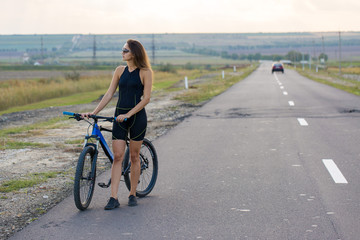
(103,185)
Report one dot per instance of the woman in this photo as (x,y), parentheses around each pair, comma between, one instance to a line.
(135,83)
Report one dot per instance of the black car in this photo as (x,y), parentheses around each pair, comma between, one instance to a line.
(278,67)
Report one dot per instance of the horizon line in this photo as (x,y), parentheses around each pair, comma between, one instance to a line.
(163,33)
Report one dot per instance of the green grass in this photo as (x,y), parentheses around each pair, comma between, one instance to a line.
(334,80)
(163,85)
(29,181)
(52,123)
(9,144)
(7,135)
(213,87)
(15,93)
(76,141)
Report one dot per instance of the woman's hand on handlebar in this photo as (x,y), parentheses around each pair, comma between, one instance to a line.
(86,115)
(122,117)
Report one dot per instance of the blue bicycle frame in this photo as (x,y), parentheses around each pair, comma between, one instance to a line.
(96,133)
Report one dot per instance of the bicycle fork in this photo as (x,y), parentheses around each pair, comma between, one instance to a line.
(95,146)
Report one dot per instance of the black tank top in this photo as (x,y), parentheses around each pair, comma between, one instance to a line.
(131,89)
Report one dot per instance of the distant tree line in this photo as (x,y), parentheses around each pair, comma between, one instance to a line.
(292,55)
(8,50)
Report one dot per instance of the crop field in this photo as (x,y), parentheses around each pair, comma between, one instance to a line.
(26,94)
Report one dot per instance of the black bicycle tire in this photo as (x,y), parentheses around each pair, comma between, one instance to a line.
(82,205)
(154,160)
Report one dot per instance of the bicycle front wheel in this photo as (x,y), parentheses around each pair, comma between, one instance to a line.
(84,182)
(148,169)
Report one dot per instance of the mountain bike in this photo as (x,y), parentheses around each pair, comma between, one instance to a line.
(85,175)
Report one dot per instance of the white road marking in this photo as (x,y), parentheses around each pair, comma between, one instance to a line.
(334,171)
(302,122)
(276,77)
(291,103)
(277,80)
(285,93)
(243,210)
(281,87)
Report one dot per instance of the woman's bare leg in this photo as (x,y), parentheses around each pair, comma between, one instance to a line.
(119,151)
(135,147)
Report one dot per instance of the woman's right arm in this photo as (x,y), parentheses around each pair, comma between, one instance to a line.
(109,93)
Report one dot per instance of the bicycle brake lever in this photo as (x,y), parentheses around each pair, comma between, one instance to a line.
(78,117)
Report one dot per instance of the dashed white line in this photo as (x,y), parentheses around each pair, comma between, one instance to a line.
(291,103)
(334,171)
(302,122)
(277,80)
(285,93)
(276,77)
(281,87)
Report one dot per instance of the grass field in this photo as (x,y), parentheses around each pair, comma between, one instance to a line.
(18,93)
(21,95)
(331,76)
(216,85)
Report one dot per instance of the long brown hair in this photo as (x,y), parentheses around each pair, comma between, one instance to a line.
(141,59)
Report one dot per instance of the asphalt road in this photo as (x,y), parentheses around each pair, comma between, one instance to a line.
(274,157)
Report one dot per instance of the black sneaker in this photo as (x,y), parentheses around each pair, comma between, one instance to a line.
(113,203)
(132,201)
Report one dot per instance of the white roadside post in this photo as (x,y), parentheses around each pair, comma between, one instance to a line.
(234,68)
(186,83)
(223,74)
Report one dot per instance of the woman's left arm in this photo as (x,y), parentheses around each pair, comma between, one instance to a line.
(146,76)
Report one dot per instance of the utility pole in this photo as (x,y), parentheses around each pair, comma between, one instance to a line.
(339,52)
(153,49)
(94,50)
(323,51)
(314,48)
(42,48)
(303,60)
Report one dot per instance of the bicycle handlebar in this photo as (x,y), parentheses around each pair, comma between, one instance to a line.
(78,117)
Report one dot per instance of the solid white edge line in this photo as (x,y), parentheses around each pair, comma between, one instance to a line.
(302,122)
(334,171)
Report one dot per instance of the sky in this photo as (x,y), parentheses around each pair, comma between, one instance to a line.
(183,16)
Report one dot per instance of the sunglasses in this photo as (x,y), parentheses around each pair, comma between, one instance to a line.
(124,50)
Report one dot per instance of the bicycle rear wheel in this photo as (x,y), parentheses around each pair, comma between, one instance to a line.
(148,166)
(84,182)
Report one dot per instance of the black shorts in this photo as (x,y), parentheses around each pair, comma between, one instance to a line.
(136,126)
